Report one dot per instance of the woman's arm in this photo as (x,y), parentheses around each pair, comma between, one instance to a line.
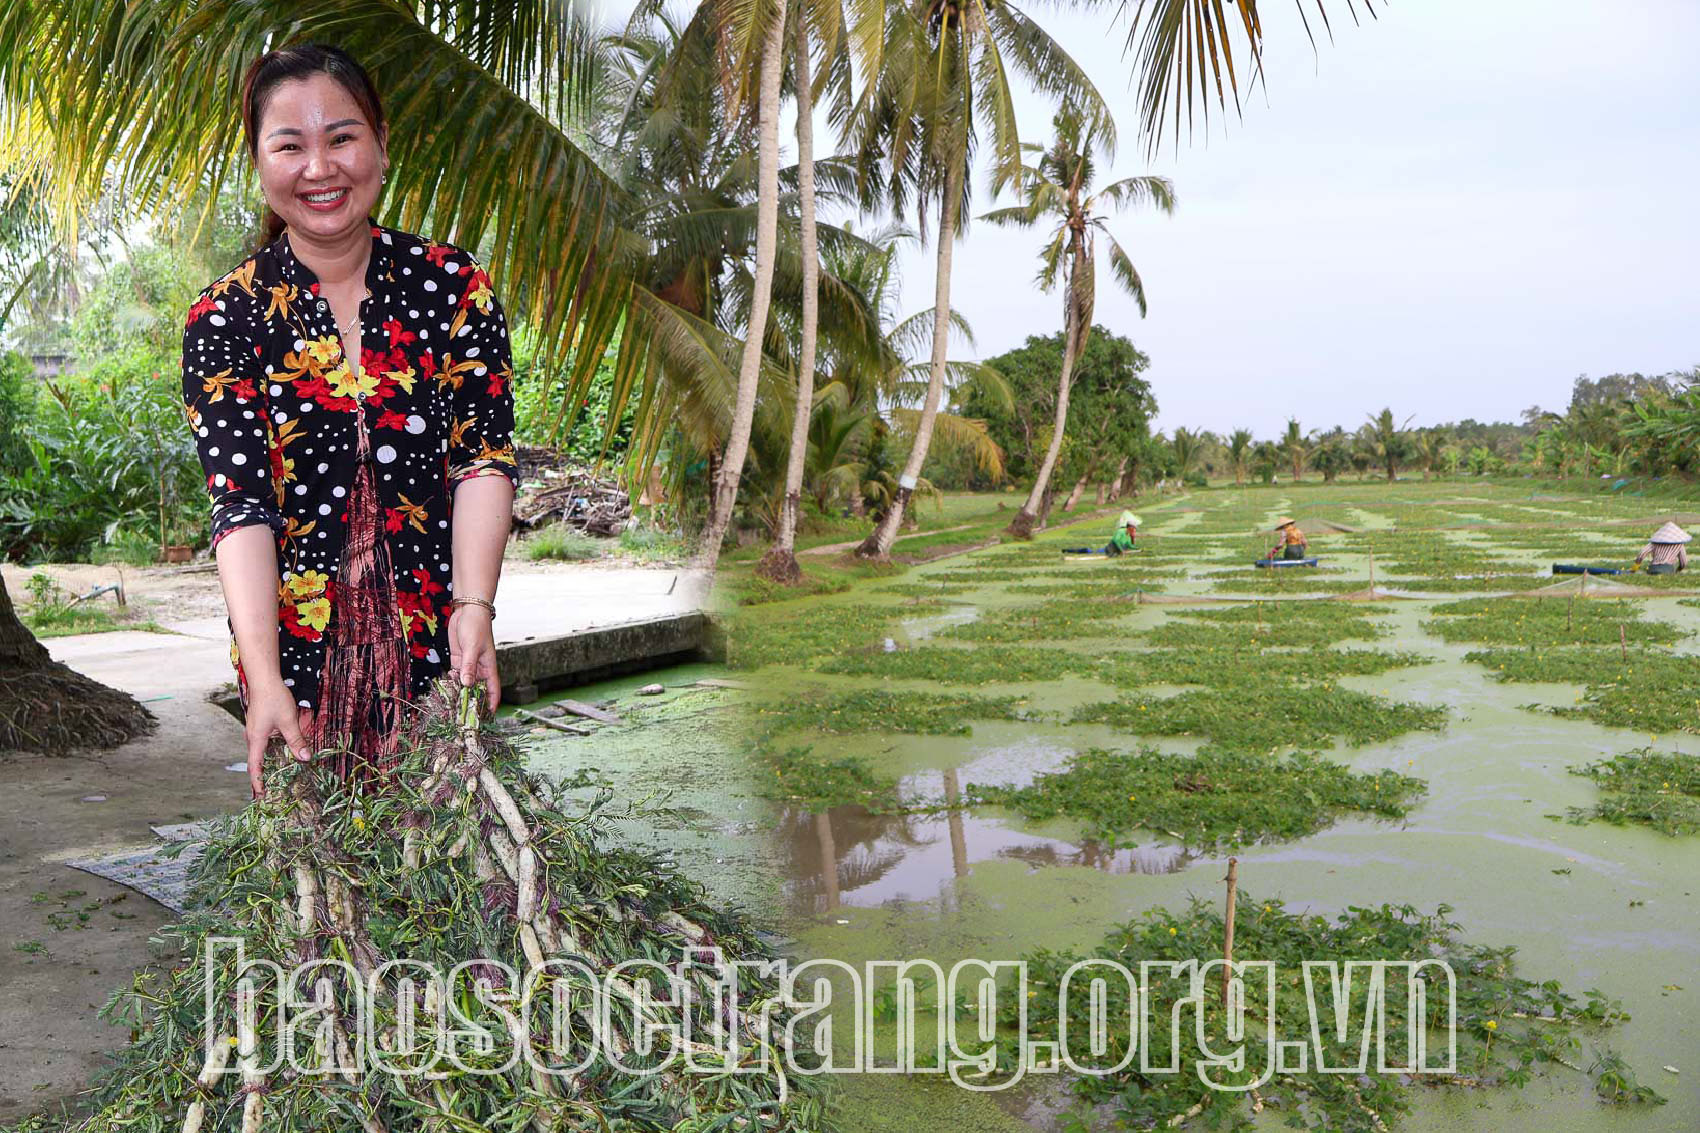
(247,570)
(483,515)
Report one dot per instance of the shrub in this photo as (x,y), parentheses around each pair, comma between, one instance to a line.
(560,542)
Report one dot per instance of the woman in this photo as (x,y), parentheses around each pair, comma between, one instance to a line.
(1127,530)
(348,386)
(1290,542)
(1666,551)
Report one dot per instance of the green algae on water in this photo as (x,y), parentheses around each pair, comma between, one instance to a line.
(1213,799)
(1547,621)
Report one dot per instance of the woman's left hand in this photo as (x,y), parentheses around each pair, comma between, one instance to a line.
(472,650)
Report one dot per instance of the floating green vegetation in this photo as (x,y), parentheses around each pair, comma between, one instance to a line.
(1547,621)
(1214,799)
(1047,621)
(1220,667)
(791,636)
(1645,788)
(1489,582)
(1089,588)
(1429,553)
(1284,582)
(1645,689)
(1223,667)
(1267,718)
(984,664)
(1508,1028)
(1298,623)
(924,589)
(818,784)
(876,710)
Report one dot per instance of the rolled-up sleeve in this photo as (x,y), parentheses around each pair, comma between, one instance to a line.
(224,398)
(482,401)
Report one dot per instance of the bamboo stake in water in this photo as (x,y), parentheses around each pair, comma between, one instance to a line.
(1228,928)
(1622,642)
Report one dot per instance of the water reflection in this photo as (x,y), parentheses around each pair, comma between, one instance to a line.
(850,856)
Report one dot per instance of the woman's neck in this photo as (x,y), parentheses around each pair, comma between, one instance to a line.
(336,262)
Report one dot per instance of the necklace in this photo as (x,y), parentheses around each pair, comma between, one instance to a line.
(348,329)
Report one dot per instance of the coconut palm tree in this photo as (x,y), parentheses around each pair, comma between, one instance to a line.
(1433,447)
(1239,453)
(1295,448)
(1184,444)
(767,238)
(1387,441)
(943,85)
(1058,186)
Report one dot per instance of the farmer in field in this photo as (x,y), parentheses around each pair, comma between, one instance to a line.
(1127,530)
(345,384)
(1289,540)
(1666,552)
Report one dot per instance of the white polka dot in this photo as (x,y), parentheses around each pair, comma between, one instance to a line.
(324,509)
(451,267)
(301,489)
(216,320)
(472,351)
(339,491)
(203,430)
(323,468)
(415,424)
(386,454)
(238,458)
(431,656)
(430,285)
(306,407)
(213,451)
(219,480)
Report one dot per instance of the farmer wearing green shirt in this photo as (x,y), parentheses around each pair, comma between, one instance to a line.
(1127,530)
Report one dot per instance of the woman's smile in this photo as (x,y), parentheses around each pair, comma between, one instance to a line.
(324,200)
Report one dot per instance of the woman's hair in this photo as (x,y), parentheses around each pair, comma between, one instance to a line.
(301,61)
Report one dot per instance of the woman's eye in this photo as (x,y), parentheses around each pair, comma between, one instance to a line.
(340,138)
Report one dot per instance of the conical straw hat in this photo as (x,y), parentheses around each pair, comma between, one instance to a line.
(1670,533)
(1282,522)
(1127,518)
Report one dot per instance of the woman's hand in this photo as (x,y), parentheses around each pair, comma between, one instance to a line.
(272,711)
(472,650)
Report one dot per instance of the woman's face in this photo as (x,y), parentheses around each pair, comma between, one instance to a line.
(321,164)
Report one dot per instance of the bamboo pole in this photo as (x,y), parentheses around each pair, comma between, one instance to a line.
(1228,928)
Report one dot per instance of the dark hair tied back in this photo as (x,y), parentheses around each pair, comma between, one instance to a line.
(301,61)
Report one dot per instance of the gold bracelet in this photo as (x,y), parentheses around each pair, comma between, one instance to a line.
(488,605)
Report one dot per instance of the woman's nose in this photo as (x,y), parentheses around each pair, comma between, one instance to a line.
(318,164)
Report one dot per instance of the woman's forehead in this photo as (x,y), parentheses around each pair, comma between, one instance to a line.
(309,103)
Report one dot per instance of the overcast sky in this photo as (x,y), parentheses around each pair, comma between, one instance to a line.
(1452,210)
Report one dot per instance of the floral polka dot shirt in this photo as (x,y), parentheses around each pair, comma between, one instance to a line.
(276,411)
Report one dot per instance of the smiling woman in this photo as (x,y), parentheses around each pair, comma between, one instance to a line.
(347,384)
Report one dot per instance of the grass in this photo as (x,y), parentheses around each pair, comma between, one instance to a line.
(1645,788)
(50,614)
(1214,799)
(650,545)
(1547,622)
(1267,718)
(559,543)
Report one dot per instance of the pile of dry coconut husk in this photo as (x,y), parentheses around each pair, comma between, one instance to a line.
(461,859)
(555,491)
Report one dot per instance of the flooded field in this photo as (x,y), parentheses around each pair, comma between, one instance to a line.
(944,746)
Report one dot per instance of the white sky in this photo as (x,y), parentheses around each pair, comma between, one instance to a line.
(1453,209)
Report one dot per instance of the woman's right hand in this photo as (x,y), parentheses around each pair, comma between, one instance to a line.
(272,711)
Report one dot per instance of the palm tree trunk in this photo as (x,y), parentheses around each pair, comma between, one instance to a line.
(46,707)
(767,229)
(780,563)
(878,544)
(1078,490)
(1116,483)
(1021,527)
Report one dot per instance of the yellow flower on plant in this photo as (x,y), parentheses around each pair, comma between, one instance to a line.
(1491,1025)
(343,383)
